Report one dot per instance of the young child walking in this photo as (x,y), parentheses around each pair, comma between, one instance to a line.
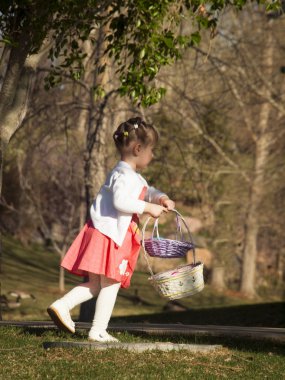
(107,248)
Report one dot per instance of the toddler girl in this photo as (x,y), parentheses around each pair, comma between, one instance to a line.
(107,248)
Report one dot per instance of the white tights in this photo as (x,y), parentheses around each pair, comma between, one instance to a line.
(101,286)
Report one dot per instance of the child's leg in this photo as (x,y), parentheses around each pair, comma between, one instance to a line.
(83,292)
(59,310)
(104,307)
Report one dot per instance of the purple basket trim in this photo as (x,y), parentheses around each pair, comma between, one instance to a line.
(167,248)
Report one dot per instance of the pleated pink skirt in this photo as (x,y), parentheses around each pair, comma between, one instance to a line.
(91,251)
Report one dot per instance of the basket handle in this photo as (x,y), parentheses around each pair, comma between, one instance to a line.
(155,228)
(178,227)
(178,218)
(144,251)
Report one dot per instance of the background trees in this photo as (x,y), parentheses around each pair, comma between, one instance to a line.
(141,37)
(220,123)
(231,105)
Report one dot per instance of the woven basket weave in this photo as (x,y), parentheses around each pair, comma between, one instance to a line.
(180,282)
(168,248)
(183,281)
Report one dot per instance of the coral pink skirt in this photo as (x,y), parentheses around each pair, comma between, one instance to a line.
(91,251)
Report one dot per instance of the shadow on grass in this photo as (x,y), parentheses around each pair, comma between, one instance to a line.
(255,315)
(258,315)
(54,333)
(245,345)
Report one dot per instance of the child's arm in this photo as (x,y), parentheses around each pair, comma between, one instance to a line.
(153,209)
(123,201)
(167,202)
(155,196)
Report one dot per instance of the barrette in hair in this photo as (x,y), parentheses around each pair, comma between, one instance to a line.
(116,136)
(136,126)
(126,133)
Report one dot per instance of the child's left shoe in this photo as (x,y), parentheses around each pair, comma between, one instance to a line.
(60,315)
(101,336)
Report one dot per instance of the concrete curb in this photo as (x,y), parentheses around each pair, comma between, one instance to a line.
(134,347)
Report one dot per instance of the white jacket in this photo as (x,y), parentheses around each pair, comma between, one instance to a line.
(117,200)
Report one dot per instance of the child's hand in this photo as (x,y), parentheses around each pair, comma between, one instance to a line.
(154,210)
(168,203)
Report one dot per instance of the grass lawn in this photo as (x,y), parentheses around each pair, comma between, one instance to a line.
(23,357)
(35,270)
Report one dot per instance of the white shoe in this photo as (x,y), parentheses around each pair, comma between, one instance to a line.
(60,315)
(101,336)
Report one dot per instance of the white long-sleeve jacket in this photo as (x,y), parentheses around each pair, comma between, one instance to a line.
(117,200)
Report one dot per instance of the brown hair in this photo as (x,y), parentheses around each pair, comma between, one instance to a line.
(134,129)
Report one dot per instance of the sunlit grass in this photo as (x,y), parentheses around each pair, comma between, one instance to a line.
(23,357)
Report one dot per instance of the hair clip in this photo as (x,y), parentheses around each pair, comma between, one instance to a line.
(116,136)
(126,133)
(136,126)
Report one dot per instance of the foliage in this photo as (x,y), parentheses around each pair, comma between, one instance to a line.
(186,165)
(141,36)
(186,158)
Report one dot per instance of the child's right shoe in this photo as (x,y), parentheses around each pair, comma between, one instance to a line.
(101,336)
(60,315)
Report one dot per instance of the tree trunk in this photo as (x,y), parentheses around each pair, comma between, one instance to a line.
(262,150)
(14,94)
(85,114)
(218,278)
(61,282)
(95,137)
(94,169)
(251,226)
(280,268)
(94,174)
(11,105)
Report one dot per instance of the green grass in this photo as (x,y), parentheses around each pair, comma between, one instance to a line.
(35,270)
(23,357)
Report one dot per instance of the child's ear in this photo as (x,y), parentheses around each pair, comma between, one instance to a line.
(137,149)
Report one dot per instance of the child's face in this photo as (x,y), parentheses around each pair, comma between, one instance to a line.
(145,156)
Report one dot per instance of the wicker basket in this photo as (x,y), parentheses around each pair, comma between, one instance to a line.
(180,282)
(183,281)
(167,248)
